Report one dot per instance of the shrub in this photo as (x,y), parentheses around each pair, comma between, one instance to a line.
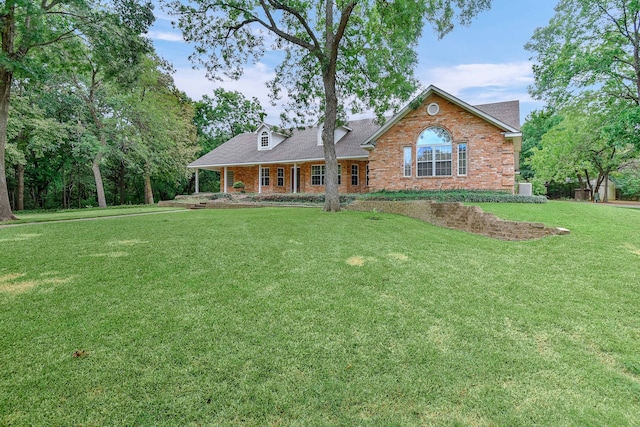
(473,196)
(299,198)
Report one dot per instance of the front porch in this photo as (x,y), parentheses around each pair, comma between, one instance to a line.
(294,178)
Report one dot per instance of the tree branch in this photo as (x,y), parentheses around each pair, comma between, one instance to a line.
(290,38)
(299,17)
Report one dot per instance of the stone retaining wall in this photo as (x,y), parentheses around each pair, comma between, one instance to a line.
(460,217)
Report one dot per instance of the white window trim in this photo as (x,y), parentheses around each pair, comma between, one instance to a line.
(355,175)
(260,137)
(278,176)
(466,159)
(322,175)
(404,162)
(265,177)
(433,161)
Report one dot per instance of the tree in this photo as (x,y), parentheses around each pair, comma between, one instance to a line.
(335,51)
(26,26)
(35,135)
(225,115)
(583,145)
(157,121)
(591,50)
(219,118)
(536,125)
(589,45)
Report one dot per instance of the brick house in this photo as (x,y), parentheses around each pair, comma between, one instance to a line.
(436,142)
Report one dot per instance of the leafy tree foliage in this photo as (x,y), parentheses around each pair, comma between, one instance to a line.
(219,118)
(589,45)
(360,53)
(588,70)
(27,26)
(536,125)
(156,122)
(582,146)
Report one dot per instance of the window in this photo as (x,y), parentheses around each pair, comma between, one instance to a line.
(408,161)
(229,180)
(367,176)
(264,177)
(354,175)
(280,177)
(339,174)
(264,139)
(317,175)
(434,152)
(462,159)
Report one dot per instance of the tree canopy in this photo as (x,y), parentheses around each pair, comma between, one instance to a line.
(27,26)
(588,46)
(587,69)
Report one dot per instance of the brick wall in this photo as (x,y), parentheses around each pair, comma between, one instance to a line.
(490,154)
(249,175)
(460,217)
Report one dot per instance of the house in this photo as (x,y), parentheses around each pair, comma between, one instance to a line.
(436,142)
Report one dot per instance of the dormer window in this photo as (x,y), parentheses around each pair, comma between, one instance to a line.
(264,139)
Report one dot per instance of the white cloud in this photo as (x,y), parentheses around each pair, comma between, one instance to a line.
(166,36)
(252,84)
(482,83)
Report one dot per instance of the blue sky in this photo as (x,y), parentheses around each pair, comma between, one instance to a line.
(485,62)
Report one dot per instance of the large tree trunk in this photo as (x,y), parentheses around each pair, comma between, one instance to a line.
(332,196)
(20,173)
(328,63)
(6,78)
(121,182)
(148,191)
(97,175)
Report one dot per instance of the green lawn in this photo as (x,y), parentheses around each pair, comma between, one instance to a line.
(292,316)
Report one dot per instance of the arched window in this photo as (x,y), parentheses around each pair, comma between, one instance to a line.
(264,139)
(434,152)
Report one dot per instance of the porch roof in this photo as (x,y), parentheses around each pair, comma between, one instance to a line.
(301,146)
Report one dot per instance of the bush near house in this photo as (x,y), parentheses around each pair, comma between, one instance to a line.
(471,196)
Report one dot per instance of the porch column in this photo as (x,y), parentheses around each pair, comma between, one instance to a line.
(259,179)
(224,180)
(197,182)
(295,178)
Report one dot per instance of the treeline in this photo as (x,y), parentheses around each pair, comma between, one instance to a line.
(94,116)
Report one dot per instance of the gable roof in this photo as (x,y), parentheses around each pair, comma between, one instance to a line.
(505,116)
(301,146)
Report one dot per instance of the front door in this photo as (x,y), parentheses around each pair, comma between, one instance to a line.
(297,186)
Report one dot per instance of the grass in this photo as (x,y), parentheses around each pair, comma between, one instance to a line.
(288,316)
(71,214)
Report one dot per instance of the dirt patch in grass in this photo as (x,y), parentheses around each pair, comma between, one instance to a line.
(9,283)
(356,261)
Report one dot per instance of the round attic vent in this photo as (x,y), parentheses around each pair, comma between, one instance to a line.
(433,109)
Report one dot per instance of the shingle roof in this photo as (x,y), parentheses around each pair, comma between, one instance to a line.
(507,112)
(300,146)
